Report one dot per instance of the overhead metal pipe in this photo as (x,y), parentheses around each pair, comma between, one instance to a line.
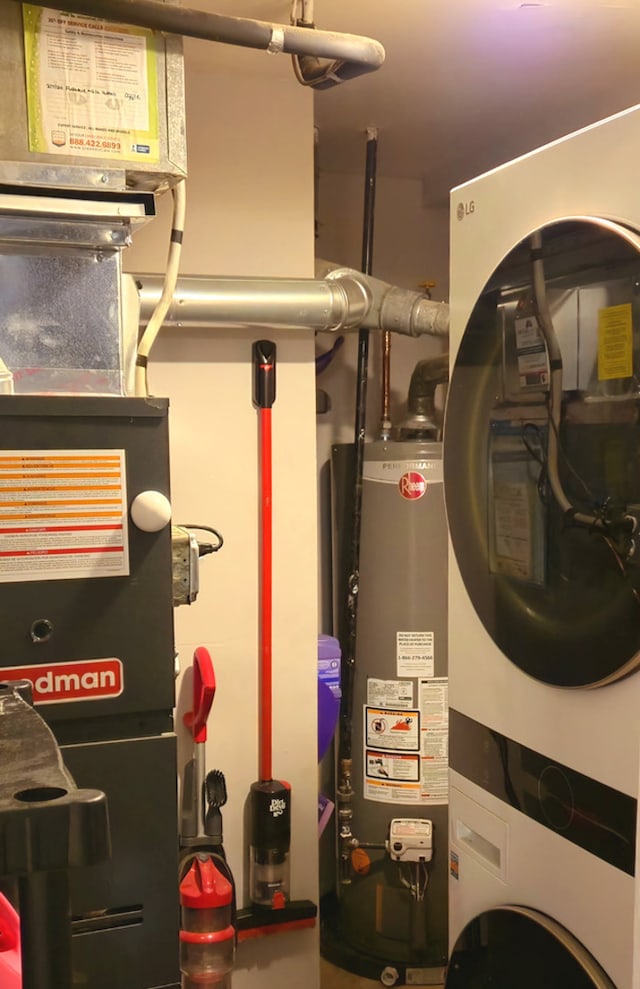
(348,55)
(343,301)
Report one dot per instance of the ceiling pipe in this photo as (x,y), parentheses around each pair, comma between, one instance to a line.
(343,301)
(346,55)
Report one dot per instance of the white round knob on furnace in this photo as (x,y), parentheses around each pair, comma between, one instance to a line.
(151,511)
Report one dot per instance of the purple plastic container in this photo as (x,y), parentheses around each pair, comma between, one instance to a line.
(329,693)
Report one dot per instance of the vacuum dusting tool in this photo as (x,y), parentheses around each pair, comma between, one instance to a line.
(206,885)
(270,800)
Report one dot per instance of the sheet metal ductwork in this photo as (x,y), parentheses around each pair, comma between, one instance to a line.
(343,300)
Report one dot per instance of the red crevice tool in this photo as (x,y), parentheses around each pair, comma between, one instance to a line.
(204,690)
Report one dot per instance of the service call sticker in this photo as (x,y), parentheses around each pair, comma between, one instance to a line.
(412,485)
(58,683)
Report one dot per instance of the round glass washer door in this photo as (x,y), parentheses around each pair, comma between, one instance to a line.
(542,454)
(514,946)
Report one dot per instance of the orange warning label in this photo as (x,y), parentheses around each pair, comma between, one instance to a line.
(63,515)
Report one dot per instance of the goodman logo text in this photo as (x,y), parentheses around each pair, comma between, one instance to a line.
(59,683)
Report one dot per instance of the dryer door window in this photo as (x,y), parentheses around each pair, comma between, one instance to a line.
(542,454)
(517,947)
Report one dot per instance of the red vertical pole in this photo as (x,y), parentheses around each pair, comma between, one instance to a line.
(266,595)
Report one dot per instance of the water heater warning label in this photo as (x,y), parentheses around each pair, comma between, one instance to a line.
(390,729)
(392,766)
(62,515)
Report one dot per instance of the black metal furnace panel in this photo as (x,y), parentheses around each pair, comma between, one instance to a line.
(126,912)
(129,618)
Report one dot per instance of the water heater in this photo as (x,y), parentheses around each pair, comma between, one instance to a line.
(390,916)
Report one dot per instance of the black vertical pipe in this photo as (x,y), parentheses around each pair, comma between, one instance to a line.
(45,930)
(349,660)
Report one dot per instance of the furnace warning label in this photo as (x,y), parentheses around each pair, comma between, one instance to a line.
(512,527)
(63,514)
(91,86)
(392,729)
(532,353)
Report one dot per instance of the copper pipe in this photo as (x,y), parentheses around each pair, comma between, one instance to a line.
(385,422)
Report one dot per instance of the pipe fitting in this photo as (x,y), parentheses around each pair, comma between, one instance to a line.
(421,406)
(399,310)
(355,294)
(411,313)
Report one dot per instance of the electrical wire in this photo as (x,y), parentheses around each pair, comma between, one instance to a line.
(169,286)
(590,521)
(535,449)
(205,548)
(417,887)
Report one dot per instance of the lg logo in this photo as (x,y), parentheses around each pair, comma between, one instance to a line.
(465,209)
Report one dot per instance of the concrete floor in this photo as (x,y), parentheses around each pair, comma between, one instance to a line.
(336,978)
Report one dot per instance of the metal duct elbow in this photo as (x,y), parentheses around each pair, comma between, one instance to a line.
(399,310)
(421,400)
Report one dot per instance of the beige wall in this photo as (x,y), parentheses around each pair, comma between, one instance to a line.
(250,211)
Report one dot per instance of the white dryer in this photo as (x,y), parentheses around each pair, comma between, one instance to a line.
(542,483)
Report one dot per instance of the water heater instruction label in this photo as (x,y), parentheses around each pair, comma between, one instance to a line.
(63,515)
(389,693)
(434,740)
(414,654)
(392,766)
(91,86)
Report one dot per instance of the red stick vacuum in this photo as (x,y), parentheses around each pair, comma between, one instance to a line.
(270,799)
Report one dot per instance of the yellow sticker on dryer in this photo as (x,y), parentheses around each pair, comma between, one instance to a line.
(615,342)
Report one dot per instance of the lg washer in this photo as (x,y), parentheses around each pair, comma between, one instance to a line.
(542,485)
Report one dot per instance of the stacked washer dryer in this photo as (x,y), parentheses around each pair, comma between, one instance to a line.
(542,483)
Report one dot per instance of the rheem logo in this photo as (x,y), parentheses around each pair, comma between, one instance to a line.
(57,683)
(412,485)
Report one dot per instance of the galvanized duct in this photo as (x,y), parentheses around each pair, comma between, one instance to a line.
(344,300)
